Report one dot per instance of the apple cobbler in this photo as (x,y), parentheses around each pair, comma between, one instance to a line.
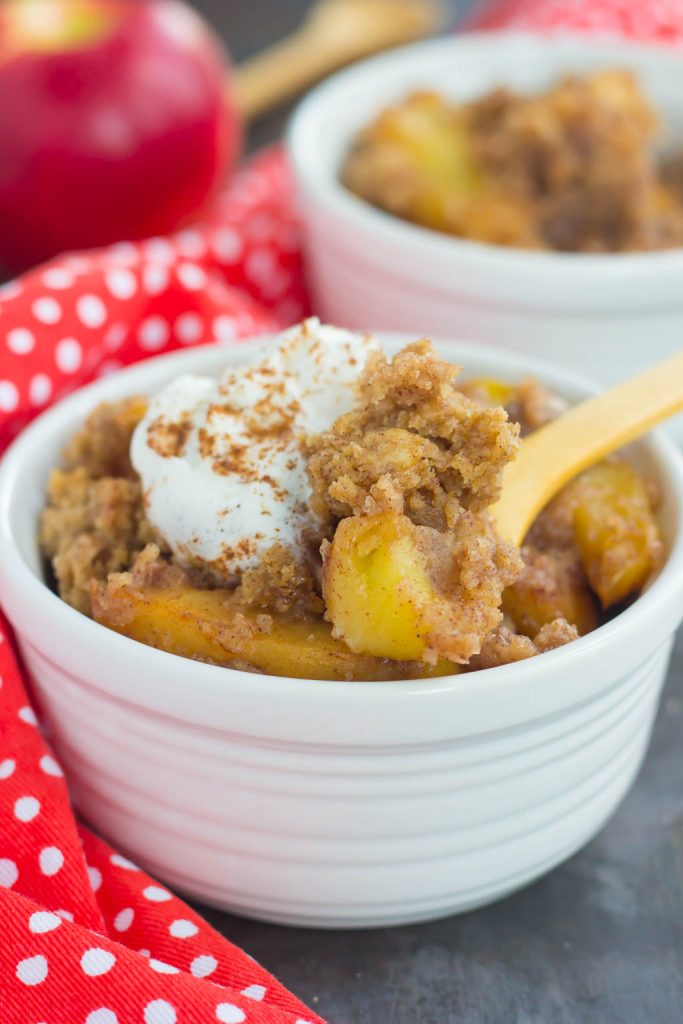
(572,169)
(323,514)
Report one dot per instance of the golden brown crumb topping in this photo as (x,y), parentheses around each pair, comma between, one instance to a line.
(413,444)
(102,447)
(94,521)
(282,583)
(503,646)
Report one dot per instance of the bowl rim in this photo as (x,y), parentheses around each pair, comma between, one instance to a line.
(16,575)
(426,243)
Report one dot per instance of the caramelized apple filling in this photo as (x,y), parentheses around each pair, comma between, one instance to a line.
(404,575)
(571,169)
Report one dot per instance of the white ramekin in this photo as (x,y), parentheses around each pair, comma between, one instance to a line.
(330,803)
(603,315)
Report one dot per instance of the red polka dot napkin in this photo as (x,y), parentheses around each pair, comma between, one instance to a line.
(88,938)
(658,21)
(236,274)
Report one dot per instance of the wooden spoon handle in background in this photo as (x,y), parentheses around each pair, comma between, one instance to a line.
(553,455)
(335,33)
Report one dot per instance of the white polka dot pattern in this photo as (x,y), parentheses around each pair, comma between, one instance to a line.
(162,968)
(228,1013)
(123,862)
(160,1012)
(50,766)
(20,340)
(68,355)
(95,877)
(47,310)
(43,921)
(91,310)
(9,872)
(155,278)
(33,970)
(153,333)
(156,894)
(656,21)
(9,396)
(183,929)
(39,389)
(203,966)
(102,1016)
(256,992)
(26,808)
(124,919)
(121,283)
(97,961)
(51,859)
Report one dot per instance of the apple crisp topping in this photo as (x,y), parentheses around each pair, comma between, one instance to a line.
(413,444)
(94,521)
(503,646)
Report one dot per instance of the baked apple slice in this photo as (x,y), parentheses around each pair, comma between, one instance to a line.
(208,625)
(397,590)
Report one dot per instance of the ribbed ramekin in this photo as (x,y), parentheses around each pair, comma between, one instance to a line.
(603,315)
(330,803)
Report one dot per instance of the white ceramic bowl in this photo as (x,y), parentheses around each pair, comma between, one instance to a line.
(603,315)
(331,803)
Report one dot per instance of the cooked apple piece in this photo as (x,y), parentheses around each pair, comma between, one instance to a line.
(551,586)
(616,530)
(208,625)
(416,161)
(397,590)
(376,587)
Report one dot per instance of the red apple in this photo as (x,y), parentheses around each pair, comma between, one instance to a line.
(115,123)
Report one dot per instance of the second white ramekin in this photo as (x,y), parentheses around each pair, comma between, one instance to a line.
(603,315)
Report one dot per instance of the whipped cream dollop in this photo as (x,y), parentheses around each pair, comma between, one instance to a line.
(221,462)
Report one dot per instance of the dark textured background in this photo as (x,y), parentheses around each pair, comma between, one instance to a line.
(599,941)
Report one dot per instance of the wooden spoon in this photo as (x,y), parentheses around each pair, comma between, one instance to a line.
(335,33)
(550,457)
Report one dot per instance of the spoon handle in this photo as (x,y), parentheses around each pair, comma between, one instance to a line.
(334,33)
(282,71)
(553,455)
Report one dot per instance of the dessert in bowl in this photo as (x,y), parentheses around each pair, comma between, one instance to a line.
(334,800)
(571,169)
(323,513)
(581,292)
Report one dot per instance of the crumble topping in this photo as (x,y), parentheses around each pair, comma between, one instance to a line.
(413,443)
(503,646)
(94,521)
